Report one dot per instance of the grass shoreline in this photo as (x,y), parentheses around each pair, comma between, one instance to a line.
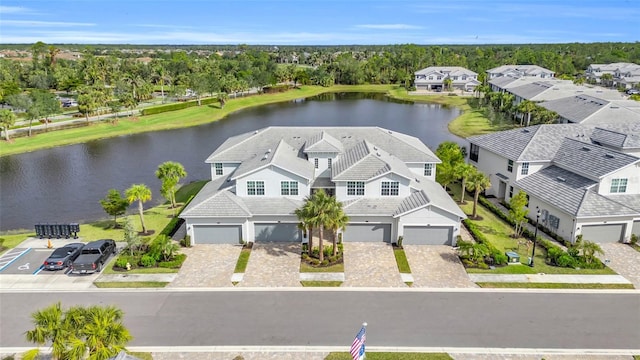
(199,115)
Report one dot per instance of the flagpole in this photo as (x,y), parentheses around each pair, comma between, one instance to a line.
(364,325)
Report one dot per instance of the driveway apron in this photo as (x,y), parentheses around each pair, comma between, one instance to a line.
(370,265)
(624,260)
(436,266)
(208,265)
(273,265)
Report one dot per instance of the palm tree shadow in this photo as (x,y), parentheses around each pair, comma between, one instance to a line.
(282,249)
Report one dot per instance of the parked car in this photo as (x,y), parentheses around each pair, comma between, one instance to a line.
(63,257)
(633,92)
(93,256)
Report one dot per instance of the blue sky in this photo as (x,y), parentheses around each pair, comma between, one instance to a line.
(310,22)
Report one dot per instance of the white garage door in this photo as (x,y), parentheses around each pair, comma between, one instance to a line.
(427,235)
(277,232)
(217,234)
(636,228)
(605,233)
(368,233)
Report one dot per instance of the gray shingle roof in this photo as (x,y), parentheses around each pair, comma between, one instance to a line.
(594,204)
(529,91)
(366,161)
(630,200)
(323,142)
(373,207)
(215,199)
(258,205)
(577,108)
(284,156)
(437,196)
(503,81)
(533,143)
(558,187)
(590,160)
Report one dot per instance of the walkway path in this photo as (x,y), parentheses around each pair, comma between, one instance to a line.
(436,266)
(273,265)
(370,265)
(550,278)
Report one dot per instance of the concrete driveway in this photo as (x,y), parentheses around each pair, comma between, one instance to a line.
(273,265)
(370,265)
(624,260)
(436,266)
(208,265)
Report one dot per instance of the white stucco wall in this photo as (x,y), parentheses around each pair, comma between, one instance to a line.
(372,189)
(418,169)
(323,162)
(534,167)
(490,164)
(272,176)
(227,169)
(631,173)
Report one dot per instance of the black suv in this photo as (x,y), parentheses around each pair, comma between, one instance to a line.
(93,256)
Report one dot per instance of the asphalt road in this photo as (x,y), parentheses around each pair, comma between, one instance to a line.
(332,318)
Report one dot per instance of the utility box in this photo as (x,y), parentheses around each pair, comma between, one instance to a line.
(512,257)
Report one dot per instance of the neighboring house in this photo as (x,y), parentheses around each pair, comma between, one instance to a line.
(433,78)
(385,180)
(587,109)
(557,89)
(518,71)
(585,180)
(622,74)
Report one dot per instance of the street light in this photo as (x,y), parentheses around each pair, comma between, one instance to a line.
(535,237)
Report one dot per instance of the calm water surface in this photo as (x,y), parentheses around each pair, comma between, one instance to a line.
(65,184)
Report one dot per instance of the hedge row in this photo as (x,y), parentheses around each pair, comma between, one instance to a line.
(498,257)
(178,106)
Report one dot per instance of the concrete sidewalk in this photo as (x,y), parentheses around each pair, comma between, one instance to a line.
(550,278)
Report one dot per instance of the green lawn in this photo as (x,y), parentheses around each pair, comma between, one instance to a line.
(321,283)
(552,285)
(391,356)
(401,260)
(243,260)
(498,232)
(130,284)
(306,268)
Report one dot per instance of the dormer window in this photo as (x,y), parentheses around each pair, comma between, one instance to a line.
(390,188)
(316,161)
(218,167)
(525,169)
(618,186)
(355,188)
(255,187)
(329,163)
(428,169)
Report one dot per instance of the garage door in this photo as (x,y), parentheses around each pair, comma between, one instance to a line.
(217,234)
(636,228)
(277,232)
(603,233)
(427,235)
(368,233)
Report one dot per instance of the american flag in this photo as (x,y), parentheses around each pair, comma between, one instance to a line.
(357,347)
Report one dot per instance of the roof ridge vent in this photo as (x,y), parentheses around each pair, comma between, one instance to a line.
(265,156)
(584,148)
(268,151)
(378,154)
(525,130)
(608,155)
(561,179)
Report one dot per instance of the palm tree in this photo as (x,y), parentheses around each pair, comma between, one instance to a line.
(463,171)
(526,107)
(478,182)
(170,173)
(305,216)
(50,327)
(7,120)
(105,335)
(222,98)
(316,213)
(338,220)
(589,249)
(142,194)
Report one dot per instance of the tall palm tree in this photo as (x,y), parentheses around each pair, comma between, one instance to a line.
(526,107)
(142,194)
(463,171)
(317,213)
(305,216)
(50,327)
(170,173)
(105,335)
(338,220)
(478,182)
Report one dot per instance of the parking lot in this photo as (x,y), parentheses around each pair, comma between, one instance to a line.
(26,261)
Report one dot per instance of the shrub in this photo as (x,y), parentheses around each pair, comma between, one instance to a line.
(634,239)
(177,106)
(121,262)
(315,262)
(324,262)
(566,260)
(176,263)
(327,251)
(499,258)
(553,253)
(186,242)
(147,261)
(400,238)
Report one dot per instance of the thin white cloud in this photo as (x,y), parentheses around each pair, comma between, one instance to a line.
(14,10)
(40,24)
(163,26)
(389,26)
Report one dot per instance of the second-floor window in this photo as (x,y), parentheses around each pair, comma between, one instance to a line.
(255,187)
(428,169)
(390,188)
(329,163)
(510,192)
(525,169)
(288,188)
(316,161)
(218,168)
(439,77)
(619,185)
(474,152)
(355,188)
(554,222)
(510,166)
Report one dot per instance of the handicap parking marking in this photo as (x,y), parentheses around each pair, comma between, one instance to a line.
(38,269)
(11,257)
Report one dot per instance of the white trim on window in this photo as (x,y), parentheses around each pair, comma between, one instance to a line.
(218,168)
(428,169)
(355,188)
(255,188)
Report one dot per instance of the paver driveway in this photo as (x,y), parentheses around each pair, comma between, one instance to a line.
(370,265)
(436,266)
(273,265)
(624,260)
(208,265)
